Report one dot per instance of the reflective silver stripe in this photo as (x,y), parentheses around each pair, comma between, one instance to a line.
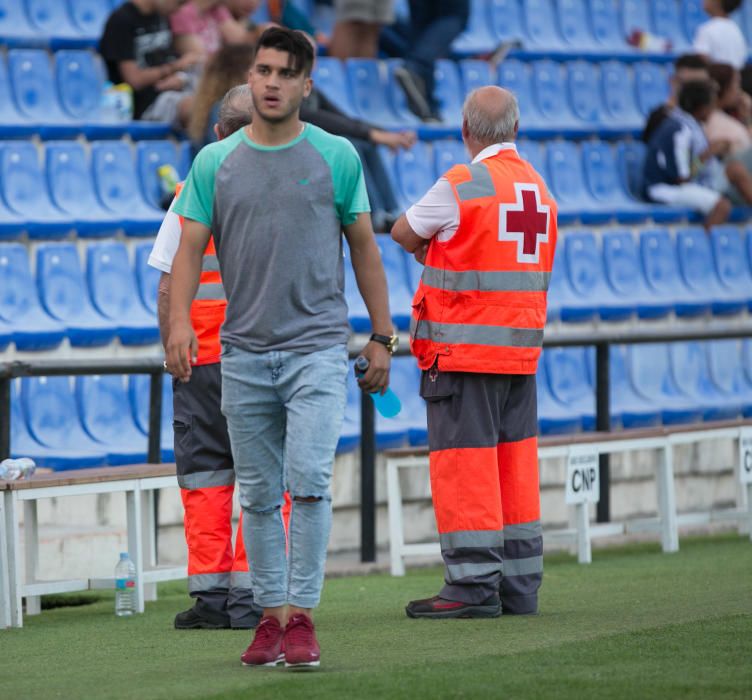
(205,582)
(206,480)
(481,185)
(472,539)
(475,280)
(213,290)
(523,567)
(240,579)
(210,264)
(498,336)
(523,531)
(457,572)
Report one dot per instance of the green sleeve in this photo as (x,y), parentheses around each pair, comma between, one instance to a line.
(197,196)
(350,195)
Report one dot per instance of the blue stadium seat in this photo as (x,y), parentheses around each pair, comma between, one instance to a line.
(329,76)
(52,417)
(695,263)
(506,21)
(619,105)
(447,153)
(25,192)
(541,32)
(550,90)
(667,23)
(32,328)
(63,293)
(50,19)
(34,91)
(117,186)
(6,335)
(604,19)
(357,312)
(690,369)
(566,181)
(574,24)
(113,291)
(414,273)
(397,98)
(477,37)
(563,302)
(414,173)
(449,92)
(404,379)
(15,29)
(624,274)
(731,262)
(138,393)
(568,380)
(587,276)
(584,94)
(185,158)
(150,155)
(660,266)
(727,372)
(147,277)
(635,17)
(514,75)
(553,417)
(103,406)
(651,85)
(400,296)
(693,15)
(475,74)
(534,153)
(71,186)
(649,367)
(90,17)
(369,94)
(12,124)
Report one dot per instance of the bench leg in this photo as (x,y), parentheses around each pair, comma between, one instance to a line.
(394,507)
(667,501)
(135,538)
(584,548)
(4,578)
(14,559)
(149,531)
(31,554)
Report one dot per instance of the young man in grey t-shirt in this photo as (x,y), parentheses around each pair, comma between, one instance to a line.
(277,196)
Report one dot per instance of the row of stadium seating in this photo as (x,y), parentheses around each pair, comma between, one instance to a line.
(613,277)
(96,420)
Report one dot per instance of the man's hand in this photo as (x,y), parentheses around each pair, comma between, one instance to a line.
(182,349)
(376,377)
(421,252)
(393,139)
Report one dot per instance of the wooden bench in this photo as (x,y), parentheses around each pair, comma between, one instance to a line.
(581,535)
(137,482)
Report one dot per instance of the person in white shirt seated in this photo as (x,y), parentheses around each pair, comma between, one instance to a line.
(720,39)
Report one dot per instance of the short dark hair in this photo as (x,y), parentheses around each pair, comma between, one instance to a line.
(723,74)
(290,41)
(691,60)
(696,94)
(730,6)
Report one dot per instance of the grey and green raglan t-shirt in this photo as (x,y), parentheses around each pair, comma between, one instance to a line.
(276,214)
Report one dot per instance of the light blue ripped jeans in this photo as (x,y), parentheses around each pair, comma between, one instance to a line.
(284,413)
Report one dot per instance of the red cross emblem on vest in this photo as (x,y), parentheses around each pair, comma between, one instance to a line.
(525,221)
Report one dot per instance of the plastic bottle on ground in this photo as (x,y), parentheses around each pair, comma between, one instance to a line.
(125,586)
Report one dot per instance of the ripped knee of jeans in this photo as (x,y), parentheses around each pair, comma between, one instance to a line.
(307,499)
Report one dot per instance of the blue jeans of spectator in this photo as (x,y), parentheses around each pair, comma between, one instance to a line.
(379,187)
(284,414)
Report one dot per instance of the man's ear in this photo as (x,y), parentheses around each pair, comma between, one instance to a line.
(307,87)
(217,132)
(516,128)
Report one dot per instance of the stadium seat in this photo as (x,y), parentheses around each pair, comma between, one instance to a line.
(566,181)
(534,153)
(404,380)
(568,380)
(550,90)
(514,75)
(475,74)
(116,182)
(506,21)
(113,291)
(619,105)
(50,18)
(584,263)
(33,87)
(329,76)
(357,312)
(651,85)
(667,23)
(563,302)
(15,29)
(446,154)
(449,92)
(695,263)
(624,275)
(607,31)
(367,86)
(635,17)
(102,403)
(553,417)
(32,328)
(414,273)
(63,293)
(541,32)
(138,393)
(400,296)
(25,192)
(574,24)
(414,173)
(150,155)
(731,263)
(397,98)
(584,94)
(12,124)
(90,17)
(660,266)
(185,158)
(60,459)
(6,335)
(649,367)
(71,186)
(690,369)
(693,15)
(727,372)
(477,37)
(147,277)
(52,417)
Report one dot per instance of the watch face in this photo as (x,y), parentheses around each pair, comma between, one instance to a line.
(393,343)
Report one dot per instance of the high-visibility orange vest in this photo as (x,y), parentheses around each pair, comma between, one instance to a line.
(481,302)
(209,306)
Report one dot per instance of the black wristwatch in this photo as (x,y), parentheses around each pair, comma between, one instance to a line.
(390,342)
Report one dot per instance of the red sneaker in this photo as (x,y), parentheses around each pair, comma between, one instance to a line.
(267,647)
(301,647)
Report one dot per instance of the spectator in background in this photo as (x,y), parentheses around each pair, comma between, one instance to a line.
(681,167)
(137,47)
(720,39)
(203,26)
(434,25)
(358,25)
(686,68)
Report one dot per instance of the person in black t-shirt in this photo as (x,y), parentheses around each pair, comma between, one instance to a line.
(137,47)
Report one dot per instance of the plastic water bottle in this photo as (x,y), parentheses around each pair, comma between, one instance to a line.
(388,403)
(13,469)
(125,586)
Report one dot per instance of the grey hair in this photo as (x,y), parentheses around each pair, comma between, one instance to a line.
(235,110)
(487,128)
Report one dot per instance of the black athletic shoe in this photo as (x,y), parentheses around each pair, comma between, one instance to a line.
(440,608)
(192,619)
